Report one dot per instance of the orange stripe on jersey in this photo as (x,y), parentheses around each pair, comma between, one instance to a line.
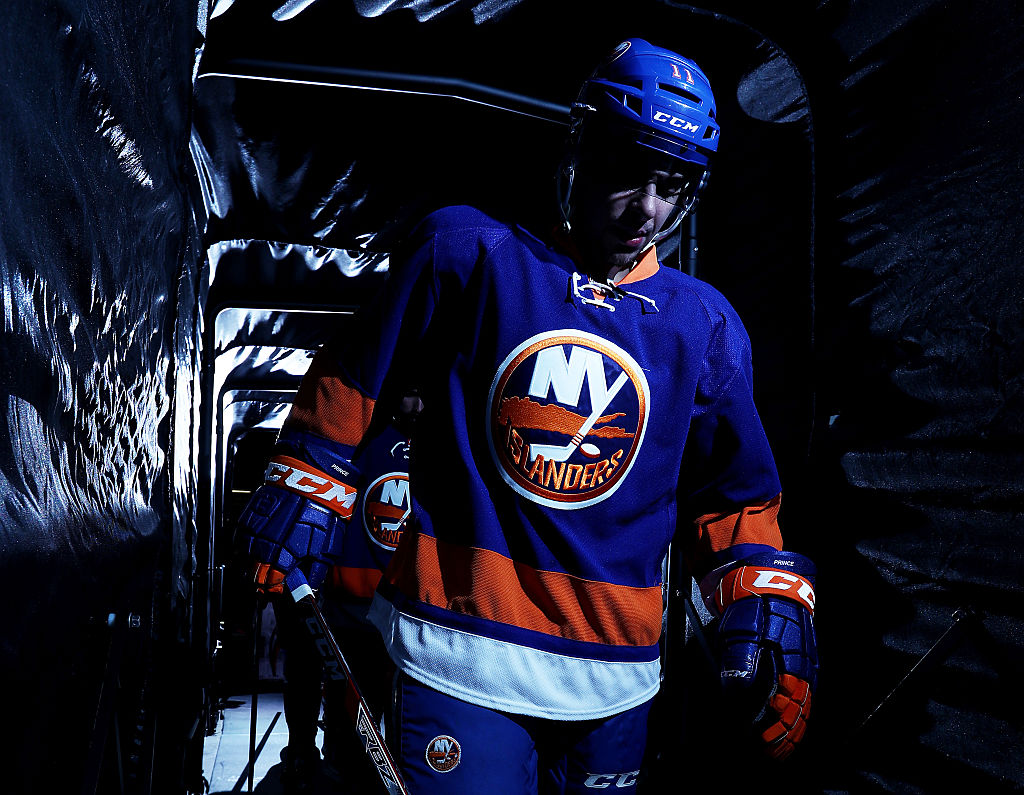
(763,581)
(355,581)
(754,524)
(482,583)
(328,406)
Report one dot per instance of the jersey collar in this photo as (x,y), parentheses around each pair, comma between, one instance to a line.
(646,266)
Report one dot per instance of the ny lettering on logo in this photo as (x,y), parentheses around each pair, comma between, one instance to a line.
(552,371)
(395,492)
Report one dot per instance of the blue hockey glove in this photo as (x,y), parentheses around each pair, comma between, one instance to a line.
(294,523)
(769,659)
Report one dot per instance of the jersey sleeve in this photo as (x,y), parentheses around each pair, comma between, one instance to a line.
(729,490)
(386,343)
(337,396)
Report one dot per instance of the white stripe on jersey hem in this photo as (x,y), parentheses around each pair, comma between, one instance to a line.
(508,676)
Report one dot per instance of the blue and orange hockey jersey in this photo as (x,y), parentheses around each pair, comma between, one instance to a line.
(566,433)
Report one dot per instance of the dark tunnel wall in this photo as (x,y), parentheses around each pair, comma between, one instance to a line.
(864,219)
(924,377)
(98,259)
(912,504)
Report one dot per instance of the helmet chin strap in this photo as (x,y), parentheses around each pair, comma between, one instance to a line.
(563,186)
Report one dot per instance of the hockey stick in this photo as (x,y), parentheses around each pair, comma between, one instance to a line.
(556,452)
(355,704)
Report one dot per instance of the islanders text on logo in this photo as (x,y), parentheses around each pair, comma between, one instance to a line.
(568,411)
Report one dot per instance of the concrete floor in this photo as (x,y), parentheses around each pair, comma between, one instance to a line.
(226,753)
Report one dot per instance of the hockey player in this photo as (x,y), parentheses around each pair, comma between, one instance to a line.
(584,405)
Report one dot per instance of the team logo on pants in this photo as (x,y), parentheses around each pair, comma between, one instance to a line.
(444,753)
(568,412)
(386,509)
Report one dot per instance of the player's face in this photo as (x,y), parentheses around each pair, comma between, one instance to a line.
(623,198)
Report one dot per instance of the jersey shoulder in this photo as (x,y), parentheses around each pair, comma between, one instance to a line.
(727,345)
(719,310)
(461,219)
(460,240)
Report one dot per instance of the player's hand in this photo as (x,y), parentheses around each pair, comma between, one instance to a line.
(266,578)
(294,523)
(766,640)
(291,540)
(787,716)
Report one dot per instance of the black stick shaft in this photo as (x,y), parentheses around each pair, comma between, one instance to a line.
(355,704)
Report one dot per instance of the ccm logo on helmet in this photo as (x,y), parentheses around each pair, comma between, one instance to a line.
(617,780)
(662,117)
(295,476)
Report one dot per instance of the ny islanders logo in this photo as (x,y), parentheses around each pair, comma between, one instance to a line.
(444,753)
(386,508)
(568,412)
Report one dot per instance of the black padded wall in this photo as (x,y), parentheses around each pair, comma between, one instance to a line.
(98,262)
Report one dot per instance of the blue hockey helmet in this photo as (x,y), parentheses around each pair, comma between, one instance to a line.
(651,97)
(664,99)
